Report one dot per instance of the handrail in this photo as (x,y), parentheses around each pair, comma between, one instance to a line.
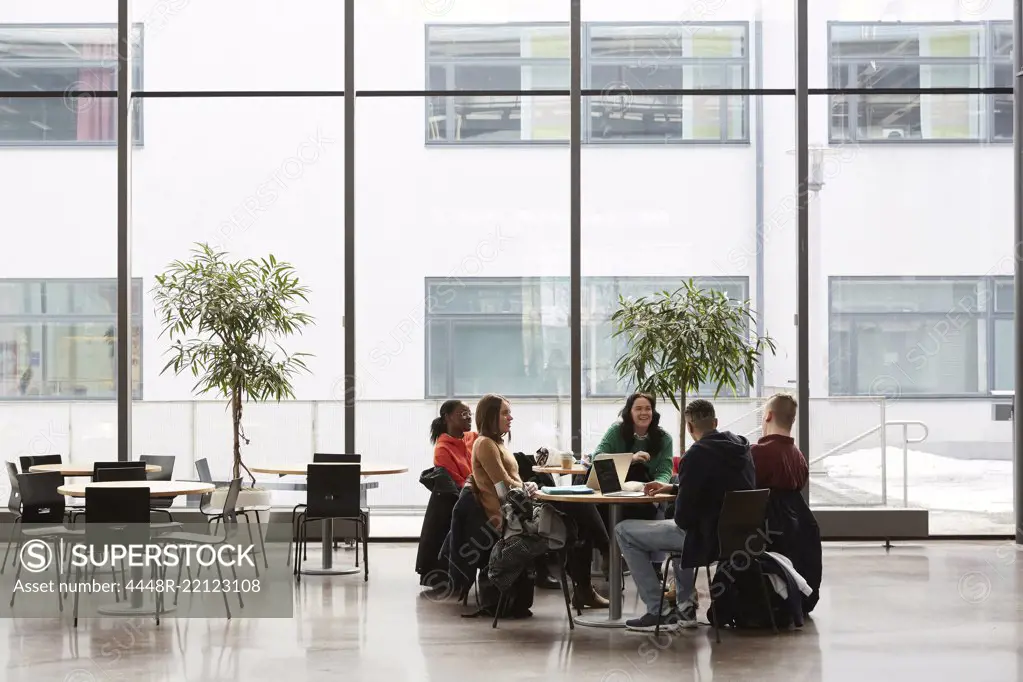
(906,440)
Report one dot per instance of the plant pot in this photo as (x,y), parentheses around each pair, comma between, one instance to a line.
(247,497)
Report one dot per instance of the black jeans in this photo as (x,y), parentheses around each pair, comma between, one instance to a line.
(591,532)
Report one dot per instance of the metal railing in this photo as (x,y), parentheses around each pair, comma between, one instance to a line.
(882,430)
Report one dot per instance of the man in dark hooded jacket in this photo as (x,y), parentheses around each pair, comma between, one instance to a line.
(716,463)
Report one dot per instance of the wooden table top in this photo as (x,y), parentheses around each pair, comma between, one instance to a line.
(300,469)
(559,470)
(597,498)
(156,488)
(72,470)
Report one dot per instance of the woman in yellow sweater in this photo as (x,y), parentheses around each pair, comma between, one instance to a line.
(495,472)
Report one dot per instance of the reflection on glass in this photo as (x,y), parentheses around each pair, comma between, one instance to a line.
(885,56)
(60,60)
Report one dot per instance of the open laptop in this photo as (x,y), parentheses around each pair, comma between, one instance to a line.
(608,473)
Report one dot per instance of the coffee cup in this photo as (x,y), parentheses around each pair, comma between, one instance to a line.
(567,460)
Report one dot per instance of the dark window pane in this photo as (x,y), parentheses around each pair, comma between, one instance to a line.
(515,358)
(17,298)
(498,42)
(906,296)
(1005,296)
(439,345)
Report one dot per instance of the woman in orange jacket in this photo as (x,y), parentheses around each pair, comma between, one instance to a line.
(453,438)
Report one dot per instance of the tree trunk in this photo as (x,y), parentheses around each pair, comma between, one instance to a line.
(682,425)
(236,417)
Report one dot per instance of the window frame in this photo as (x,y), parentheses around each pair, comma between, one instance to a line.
(587,61)
(590,323)
(44,318)
(137,78)
(985,320)
(984,62)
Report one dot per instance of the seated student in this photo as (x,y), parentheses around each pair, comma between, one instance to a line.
(495,471)
(716,463)
(779,463)
(639,432)
(781,466)
(453,439)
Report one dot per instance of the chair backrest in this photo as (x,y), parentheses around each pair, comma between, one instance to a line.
(117,505)
(119,474)
(29,461)
(231,502)
(332,490)
(166,464)
(325,458)
(14,501)
(202,468)
(40,501)
(116,516)
(96,466)
(741,523)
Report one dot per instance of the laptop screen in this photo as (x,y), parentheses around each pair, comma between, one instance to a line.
(607,476)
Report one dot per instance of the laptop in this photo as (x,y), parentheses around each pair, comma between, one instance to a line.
(610,480)
(622,461)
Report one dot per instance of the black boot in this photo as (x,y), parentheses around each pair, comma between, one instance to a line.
(543,579)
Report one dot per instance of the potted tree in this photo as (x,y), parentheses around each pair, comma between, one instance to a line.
(678,341)
(222,319)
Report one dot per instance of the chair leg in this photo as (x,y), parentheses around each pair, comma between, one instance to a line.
(220,574)
(365,550)
(713,608)
(252,540)
(78,579)
(767,597)
(10,541)
(564,589)
(660,604)
(497,611)
(262,543)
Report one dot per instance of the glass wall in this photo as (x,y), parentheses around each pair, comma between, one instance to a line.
(911,324)
(462,220)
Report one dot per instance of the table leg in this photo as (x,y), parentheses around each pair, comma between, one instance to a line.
(614,617)
(327,549)
(136,605)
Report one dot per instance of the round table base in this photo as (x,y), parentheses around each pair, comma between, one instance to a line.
(330,571)
(129,610)
(600,621)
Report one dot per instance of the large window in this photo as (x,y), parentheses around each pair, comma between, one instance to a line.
(887,56)
(512,335)
(618,59)
(62,59)
(58,339)
(920,336)
(622,59)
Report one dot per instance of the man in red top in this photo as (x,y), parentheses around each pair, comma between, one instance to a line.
(779,463)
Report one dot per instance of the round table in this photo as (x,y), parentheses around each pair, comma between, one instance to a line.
(327,525)
(300,469)
(156,488)
(559,470)
(69,470)
(135,605)
(614,618)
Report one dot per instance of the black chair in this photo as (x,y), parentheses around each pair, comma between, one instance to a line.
(118,515)
(740,531)
(230,522)
(29,461)
(166,473)
(96,466)
(42,504)
(113,474)
(13,506)
(320,458)
(214,515)
(332,492)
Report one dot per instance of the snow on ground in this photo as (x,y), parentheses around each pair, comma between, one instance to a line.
(935,482)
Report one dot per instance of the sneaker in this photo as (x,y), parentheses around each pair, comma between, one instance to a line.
(687,615)
(648,623)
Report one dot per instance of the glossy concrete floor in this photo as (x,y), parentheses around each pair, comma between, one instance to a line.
(935,611)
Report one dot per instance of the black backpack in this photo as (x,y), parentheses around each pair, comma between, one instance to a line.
(739,598)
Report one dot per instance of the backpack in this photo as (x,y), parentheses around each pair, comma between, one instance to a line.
(739,599)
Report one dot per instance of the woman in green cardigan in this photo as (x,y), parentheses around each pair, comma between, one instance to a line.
(639,432)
